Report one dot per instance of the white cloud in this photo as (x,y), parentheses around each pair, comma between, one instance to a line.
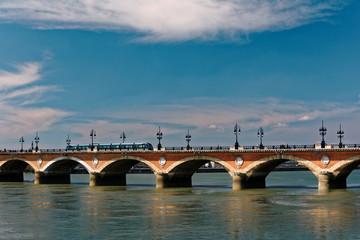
(170,20)
(277,118)
(26,73)
(219,128)
(212,126)
(17,92)
(18,121)
(28,95)
(305,118)
(281,125)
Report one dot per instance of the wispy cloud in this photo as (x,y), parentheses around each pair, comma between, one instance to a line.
(28,95)
(26,73)
(170,20)
(214,122)
(17,94)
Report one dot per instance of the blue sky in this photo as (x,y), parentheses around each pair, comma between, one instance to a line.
(67,67)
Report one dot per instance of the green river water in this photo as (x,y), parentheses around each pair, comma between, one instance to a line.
(289,208)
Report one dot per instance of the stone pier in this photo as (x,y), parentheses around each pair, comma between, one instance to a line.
(164,180)
(107,179)
(242,181)
(328,181)
(52,178)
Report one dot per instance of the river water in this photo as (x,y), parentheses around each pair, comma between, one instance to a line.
(289,208)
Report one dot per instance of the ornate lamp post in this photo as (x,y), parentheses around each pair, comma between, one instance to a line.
(322,131)
(236,132)
(68,140)
(123,137)
(260,134)
(37,140)
(21,140)
(159,137)
(188,139)
(340,134)
(92,135)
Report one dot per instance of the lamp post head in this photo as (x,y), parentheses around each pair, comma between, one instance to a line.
(188,139)
(21,140)
(260,134)
(237,131)
(340,134)
(37,140)
(92,135)
(123,136)
(188,136)
(68,140)
(159,134)
(159,137)
(322,131)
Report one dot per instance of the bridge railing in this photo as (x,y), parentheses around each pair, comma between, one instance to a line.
(346,146)
(352,145)
(282,146)
(174,148)
(204,148)
(209,148)
(212,148)
(52,150)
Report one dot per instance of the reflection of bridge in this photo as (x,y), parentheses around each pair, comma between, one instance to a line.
(175,167)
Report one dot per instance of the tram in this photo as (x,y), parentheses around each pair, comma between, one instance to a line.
(111,146)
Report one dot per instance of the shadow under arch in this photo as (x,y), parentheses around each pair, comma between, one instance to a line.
(254,175)
(58,170)
(342,170)
(113,173)
(12,170)
(65,163)
(180,173)
(125,163)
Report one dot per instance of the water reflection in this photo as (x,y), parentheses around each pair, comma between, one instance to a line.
(83,212)
(331,214)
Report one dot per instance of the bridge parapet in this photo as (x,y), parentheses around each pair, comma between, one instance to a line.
(184,151)
(197,148)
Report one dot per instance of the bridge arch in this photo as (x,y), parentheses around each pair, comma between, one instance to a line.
(343,169)
(58,170)
(179,174)
(191,164)
(253,175)
(13,164)
(65,163)
(266,165)
(12,169)
(124,163)
(114,171)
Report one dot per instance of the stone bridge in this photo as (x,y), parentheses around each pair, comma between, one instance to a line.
(174,168)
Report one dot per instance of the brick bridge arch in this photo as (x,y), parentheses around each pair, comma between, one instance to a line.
(179,173)
(339,172)
(12,169)
(254,174)
(64,163)
(114,171)
(125,163)
(58,170)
